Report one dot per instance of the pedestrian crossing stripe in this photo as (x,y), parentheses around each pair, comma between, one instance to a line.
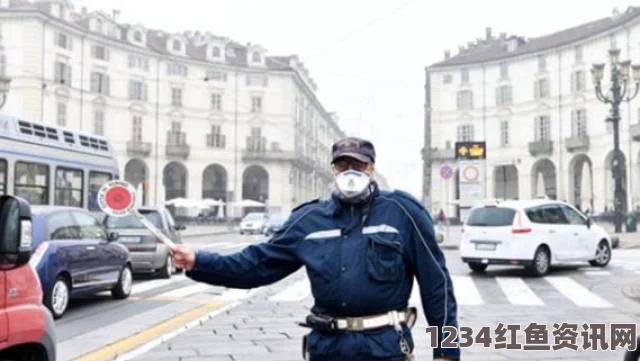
(515,289)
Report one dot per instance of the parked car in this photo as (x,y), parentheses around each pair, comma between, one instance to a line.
(276,221)
(27,329)
(535,234)
(75,256)
(148,254)
(254,223)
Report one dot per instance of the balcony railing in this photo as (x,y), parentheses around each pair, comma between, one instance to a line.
(264,155)
(137,148)
(177,145)
(540,147)
(575,144)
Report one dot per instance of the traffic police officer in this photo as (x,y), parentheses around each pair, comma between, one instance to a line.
(361,249)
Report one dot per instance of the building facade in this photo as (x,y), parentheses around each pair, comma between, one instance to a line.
(189,114)
(533,102)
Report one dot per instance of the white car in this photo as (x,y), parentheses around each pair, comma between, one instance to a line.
(536,234)
(254,223)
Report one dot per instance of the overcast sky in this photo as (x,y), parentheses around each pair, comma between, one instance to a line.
(367,56)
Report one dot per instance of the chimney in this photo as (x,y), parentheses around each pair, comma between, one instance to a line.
(447,54)
(84,11)
(487,32)
(615,13)
(503,36)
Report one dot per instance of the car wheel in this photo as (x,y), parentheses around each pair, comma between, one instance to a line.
(58,297)
(541,262)
(167,269)
(603,255)
(125,283)
(477,267)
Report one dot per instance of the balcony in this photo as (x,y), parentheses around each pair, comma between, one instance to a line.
(136,148)
(178,150)
(266,155)
(541,147)
(576,144)
(439,155)
(635,132)
(177,145)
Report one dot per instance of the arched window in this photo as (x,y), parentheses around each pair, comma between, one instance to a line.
(215,52)
(137,36)
(256,58)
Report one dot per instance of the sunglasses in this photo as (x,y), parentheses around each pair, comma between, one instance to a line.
(342,165)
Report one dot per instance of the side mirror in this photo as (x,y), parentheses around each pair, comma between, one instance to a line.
(180,227)
(589,222)
(15,232)
(113,236)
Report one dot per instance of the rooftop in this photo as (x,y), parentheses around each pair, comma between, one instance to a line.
(492,48)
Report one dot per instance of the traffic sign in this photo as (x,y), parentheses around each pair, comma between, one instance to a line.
(471,150)
(117,198)
(446,172)
(471,173)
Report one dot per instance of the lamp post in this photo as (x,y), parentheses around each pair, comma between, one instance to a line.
(620,91)
(5,81)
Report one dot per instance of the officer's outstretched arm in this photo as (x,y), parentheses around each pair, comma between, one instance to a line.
(436,290)
(256,265)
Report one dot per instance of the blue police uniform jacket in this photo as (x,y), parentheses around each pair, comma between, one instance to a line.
(361,260)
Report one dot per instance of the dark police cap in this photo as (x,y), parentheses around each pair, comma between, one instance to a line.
(352,147)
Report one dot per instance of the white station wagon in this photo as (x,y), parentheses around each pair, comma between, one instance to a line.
(535,234)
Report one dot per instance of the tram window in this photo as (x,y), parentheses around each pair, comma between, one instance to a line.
(3,176)
(69,187)
(32,182)
(96,180)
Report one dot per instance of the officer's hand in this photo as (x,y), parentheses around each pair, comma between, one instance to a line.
(183,257)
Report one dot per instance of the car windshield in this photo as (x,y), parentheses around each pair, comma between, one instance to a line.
(132,221)
(254,217)
(491,217)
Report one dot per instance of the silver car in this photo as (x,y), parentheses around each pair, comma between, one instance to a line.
(148,254)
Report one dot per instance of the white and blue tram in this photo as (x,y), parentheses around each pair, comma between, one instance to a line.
(49,165)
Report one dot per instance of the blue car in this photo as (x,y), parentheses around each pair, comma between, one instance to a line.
(74,256)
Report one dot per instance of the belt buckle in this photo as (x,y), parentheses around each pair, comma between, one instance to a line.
(354,323)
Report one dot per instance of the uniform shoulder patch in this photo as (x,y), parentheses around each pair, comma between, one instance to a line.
(302,205)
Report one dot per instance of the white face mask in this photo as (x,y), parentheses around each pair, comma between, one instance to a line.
(352,184)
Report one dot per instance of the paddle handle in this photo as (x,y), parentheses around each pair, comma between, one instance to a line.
(158,233)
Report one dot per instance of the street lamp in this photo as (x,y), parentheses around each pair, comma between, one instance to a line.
(620,91)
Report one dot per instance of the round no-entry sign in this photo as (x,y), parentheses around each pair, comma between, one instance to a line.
(446,172)
(117,198)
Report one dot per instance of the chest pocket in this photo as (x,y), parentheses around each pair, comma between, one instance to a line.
(384,258)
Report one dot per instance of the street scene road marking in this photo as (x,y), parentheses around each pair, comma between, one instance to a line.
(147,286)
(596,273)
(184,291)
(517,291)
(466,291)
(577,293)
(129,343)
(294,293)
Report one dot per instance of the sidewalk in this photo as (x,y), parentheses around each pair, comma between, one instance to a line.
(627,240)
